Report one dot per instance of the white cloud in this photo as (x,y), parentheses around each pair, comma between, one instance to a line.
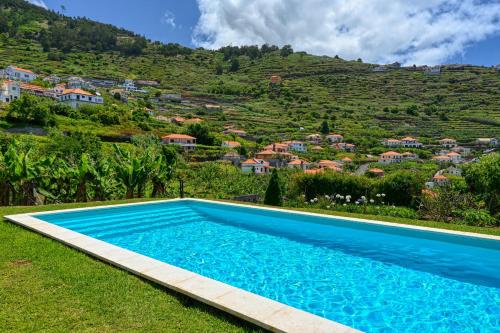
(39,3)
(169,19)
(379,31)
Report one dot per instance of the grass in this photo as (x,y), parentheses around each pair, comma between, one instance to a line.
(46,286)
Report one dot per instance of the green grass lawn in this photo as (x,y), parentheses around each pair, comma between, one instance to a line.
(47,286)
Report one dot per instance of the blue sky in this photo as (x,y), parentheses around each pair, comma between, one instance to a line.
(410,33)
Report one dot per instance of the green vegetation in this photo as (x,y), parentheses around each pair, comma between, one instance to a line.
(274,197)
(46,286)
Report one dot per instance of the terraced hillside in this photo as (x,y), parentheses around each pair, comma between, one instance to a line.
(462,102)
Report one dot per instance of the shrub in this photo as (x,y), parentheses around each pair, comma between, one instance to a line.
(477,217)
(274,195)
(401,187)
(329,183)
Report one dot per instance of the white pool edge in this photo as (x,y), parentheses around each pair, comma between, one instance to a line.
(261,311)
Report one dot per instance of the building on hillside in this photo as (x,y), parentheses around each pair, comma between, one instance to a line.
(317,148)
(297,146)
(455,157)
(346,160)
(314,139)
(409,156)
(275,79)
(129,85)
(256,166)
(464,151)
(78,97)
(448,143)
(54,79)
(275,159)
(213,107)
(434,70)
(277,147)
(20,74)
(348,147)
(441,159)
(453,170)
(492,142)
(410,142)
(231,144)
(240,133)
(333,138)
(299,164)
(376,172)
(440,180)
(10,90)
(379,69)
(232,157)
(59,89)
(390,157)
(392,143)
(187,142)
(36,90)
(331,165)
(75,82)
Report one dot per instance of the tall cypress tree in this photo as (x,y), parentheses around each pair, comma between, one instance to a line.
(274,196)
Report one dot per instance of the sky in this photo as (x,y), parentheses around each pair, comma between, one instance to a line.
(422,32)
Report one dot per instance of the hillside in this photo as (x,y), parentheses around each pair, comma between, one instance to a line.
(364,105)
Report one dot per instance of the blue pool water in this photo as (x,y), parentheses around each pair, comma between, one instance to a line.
(370,277)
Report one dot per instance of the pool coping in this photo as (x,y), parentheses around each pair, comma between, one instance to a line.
(259,310)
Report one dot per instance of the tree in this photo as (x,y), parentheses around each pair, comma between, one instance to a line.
(274,195)
(483,178)
(325,129)
(235,65)
(201,133)
(286,51)
(218,69)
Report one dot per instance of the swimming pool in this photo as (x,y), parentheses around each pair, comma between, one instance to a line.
(376,278)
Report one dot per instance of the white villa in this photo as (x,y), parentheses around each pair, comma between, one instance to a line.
(9,91)
(487,142)
(390,157)
(255,165)
(185,141)
(410,142)
(298,146)
(129,85)
(448,143)
(21,74)
(78,97)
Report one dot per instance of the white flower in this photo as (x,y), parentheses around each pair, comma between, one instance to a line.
(342,197)
(372,201)
(327,196)
(312,200)
(378,195)
(357,202)
(363,197)
(348,197)
(393,206)
(378,207)
(328,207)
(344,205)
(348,200)
(383,194)
(337,196)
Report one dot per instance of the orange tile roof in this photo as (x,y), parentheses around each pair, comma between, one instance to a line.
(453,154)
(408,138)
(177,136)
(375,170)
(77,91)
(27,86)
(232,143)
(266,152)
(440,177)
(347,159)
(390,153)
(298,162)
(23,70)
(194,120)
(314,171)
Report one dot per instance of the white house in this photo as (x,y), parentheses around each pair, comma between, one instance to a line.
(298,146)
(487,142)
(185,141)
(410,142)
(255,165)
(16,73)
(231,144)
(9,91)
(390,157)
(434,70)
(448,143)
(129,85)
(78,97)
(391,143)
(333,138)
(464,151)
(455,157)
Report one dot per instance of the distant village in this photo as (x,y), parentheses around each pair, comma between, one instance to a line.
(76,91)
